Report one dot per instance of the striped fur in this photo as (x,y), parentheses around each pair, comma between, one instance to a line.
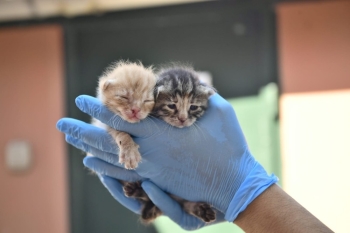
(180,97)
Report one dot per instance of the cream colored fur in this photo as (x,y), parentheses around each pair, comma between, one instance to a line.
(127,90)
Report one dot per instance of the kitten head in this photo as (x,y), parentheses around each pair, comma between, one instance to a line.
(127,90)
(180,97)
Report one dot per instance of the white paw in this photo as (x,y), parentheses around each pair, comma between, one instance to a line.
(130,157)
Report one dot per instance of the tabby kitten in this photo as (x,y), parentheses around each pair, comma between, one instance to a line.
(180,97)
(127,89)
(180,100)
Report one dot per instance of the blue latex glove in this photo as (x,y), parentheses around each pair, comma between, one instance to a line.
(209,161)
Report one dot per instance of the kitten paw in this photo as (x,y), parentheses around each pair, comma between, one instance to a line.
(132,189)
(135,190)
(130,158)
(204,212)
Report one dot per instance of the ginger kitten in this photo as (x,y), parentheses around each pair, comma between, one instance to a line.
(127,89)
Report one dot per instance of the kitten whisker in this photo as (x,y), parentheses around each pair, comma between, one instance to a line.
(168,130)
(199,129)
(118,121)
(112,121)
(148,125)
(194,129)
(151,118)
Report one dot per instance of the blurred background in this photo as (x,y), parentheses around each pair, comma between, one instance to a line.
(283,65)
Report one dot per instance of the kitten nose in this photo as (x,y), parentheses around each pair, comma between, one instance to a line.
(182,119)
(135,110)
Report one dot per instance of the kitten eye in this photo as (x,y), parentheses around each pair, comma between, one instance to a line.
(171,106)
(193,107)
(122,97)
(147,101)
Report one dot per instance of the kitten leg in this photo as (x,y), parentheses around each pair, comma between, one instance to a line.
(129,154)
(149,212)
(200,210)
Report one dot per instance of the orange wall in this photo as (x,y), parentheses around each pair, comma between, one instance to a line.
(31,100)
(314,46)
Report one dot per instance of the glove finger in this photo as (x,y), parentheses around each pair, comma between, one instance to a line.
(101,167)
(116,190)
(89,134)
(96,109)
(105,156)
(170,207)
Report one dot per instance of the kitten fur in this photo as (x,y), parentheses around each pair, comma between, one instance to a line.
(127,89)
(180,96)
(180,100)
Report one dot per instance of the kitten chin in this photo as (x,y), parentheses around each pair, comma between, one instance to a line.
(126,89)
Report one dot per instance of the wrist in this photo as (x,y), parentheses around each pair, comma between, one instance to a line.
(255,183)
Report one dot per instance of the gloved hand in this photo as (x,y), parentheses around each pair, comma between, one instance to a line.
(209,161)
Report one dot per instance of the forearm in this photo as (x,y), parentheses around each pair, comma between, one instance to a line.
(275,211)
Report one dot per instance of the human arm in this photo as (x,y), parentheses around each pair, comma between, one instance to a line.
(275,211)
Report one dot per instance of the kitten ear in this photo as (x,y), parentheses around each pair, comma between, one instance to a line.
(157,90)
(209,90)
(107,83)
